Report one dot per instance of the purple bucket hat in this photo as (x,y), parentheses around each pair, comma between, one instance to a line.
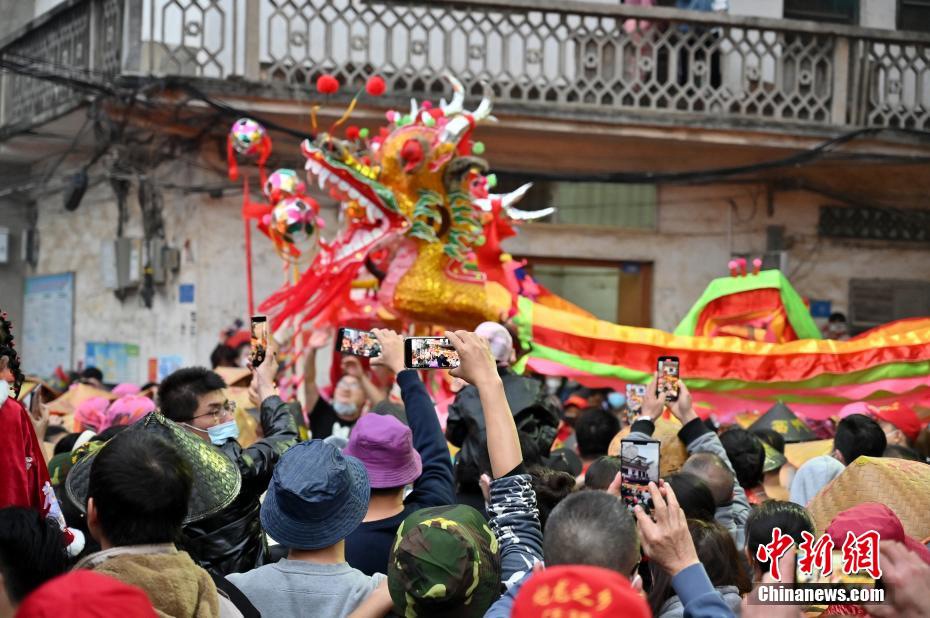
(384,445)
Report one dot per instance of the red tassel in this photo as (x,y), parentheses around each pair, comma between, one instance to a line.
(263,154)
(248,246)
(231,164)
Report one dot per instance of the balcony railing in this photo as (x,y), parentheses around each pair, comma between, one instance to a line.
(552,58)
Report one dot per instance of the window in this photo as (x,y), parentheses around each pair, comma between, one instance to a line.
(878,301)
(836,11)
(588,203)
(914,15)
(867,223)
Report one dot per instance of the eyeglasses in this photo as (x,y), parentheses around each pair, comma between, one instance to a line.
(219,411)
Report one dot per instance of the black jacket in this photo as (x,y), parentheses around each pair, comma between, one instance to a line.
(535,415)
(232,541)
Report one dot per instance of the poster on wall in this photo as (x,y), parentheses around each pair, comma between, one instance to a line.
(168,365)
(119,362)
(48,323)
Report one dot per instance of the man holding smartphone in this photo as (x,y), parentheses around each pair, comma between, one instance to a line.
(697,438)
(352,392)
(534,413)
(232,540)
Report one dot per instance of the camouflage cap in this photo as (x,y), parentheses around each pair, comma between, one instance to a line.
(445,561)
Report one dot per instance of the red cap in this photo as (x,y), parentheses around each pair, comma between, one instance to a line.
(874,516)
(85,594)
(576,400)
(901,416)
(574,590)
(238,338)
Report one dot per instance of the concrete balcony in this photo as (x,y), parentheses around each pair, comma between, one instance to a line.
(547,60)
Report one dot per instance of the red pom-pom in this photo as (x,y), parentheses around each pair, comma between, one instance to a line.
(375,86)
(352,132)
(327,84)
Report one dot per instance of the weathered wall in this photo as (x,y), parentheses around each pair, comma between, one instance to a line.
(13,218)
(878,13)
(16,13)
(209,233)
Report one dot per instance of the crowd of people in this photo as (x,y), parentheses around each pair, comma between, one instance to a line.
(364,502)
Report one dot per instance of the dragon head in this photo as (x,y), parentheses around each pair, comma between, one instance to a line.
(417,179)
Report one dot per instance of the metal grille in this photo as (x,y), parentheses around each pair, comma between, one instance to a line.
(62,44)
(546,58)
(109,32)
(906,225)
(897,85)
(191,37)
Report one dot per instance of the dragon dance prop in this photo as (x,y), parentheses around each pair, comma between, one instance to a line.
(419,243)
(729,375)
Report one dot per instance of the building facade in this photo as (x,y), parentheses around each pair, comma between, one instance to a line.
(670,141)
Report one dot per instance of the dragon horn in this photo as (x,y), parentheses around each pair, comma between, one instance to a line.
(507,200)
(455,129)
(414,108)
(483,111)
(529,215)
(458,96)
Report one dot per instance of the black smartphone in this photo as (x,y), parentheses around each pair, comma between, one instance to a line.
(639,464)
(667,366)
(429,353)
(258,330)
(358,342)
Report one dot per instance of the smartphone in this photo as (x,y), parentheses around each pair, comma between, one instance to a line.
(667,366)
(358,342)
(639,464)
(429,353)
(635,394)
(259,339)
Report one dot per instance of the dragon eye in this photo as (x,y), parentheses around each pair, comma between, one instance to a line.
(412,154)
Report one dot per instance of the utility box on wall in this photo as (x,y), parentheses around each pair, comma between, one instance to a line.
(121,263)
(4,245)
(162,260)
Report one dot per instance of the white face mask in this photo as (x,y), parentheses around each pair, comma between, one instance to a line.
(345,409)
(4,391)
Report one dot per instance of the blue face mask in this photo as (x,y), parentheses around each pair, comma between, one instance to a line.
(616,400)
(219,434)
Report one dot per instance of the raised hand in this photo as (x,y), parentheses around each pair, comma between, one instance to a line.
(653,404)
(666,540)
(683,409)
(906,578)
(476,365)
(263,376)
(392,350)
(318,339)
